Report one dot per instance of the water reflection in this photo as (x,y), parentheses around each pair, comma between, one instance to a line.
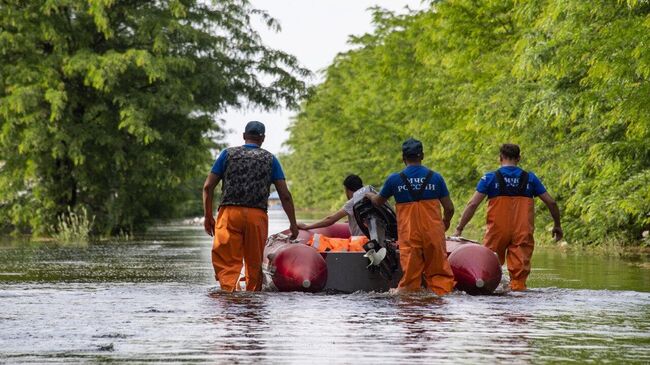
(241,321)
(147,300)
(515,335)
(422,323)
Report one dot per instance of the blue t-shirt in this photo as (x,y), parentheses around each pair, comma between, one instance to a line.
(395,186)
(489,185)
(219,166)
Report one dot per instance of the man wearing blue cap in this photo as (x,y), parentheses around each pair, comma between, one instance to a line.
(241,228)
(511,213)
(419,194)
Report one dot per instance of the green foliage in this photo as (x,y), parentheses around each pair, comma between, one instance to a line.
(111,104)
(73,227)
(567,80)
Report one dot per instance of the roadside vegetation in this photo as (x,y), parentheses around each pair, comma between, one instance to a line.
(567,80)
(73,228)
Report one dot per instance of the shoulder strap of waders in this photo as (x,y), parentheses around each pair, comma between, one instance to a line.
(502,183)
(523,182)
(416,195)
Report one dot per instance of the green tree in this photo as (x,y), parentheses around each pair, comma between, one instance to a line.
(110,104)
(591,110)
(568,80)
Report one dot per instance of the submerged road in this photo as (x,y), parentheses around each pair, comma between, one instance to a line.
(154,299)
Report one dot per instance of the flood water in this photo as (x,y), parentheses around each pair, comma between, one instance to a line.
(154,299)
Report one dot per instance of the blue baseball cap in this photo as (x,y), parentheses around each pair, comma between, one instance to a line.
(255,128)
(412,148)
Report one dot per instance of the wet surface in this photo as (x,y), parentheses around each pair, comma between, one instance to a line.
(154,300)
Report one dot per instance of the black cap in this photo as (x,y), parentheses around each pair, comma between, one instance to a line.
(255,128)
(412,148)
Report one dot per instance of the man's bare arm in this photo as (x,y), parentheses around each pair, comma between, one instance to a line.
(208,191)
(325,222)
(469,211)
(555,213)
(448,207)
(287,204)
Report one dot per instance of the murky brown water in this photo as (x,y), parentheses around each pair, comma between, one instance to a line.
(154,299)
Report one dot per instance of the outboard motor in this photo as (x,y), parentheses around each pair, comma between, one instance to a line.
(379,224)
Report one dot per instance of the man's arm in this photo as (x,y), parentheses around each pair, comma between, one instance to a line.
(448,206)
(208,191)
(325,222)
(376,199)
(287,205)
(469,211)
(555,213)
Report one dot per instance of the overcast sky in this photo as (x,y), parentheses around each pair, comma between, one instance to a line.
(314,31)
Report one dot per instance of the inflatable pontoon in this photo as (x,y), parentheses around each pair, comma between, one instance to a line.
(298,266)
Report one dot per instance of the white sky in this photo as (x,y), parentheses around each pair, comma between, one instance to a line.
(314,31)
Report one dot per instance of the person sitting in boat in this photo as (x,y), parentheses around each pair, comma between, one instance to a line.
(354,191)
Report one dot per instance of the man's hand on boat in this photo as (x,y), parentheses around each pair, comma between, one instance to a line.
(294,231)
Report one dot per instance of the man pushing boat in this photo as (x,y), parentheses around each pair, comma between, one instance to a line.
(419,194)
(511,213)
(241,229)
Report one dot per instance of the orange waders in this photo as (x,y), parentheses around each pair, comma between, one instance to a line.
(422,247)
(240,233)
(510,227)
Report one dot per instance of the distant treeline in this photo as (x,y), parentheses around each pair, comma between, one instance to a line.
(567,80)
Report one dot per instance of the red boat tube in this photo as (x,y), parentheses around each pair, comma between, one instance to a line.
(337,230)
(476,268)
(294,266)
(299,268)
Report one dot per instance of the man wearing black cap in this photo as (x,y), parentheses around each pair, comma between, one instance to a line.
(419,194)
(241,229)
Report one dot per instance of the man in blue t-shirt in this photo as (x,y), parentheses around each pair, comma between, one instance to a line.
(241,229)
(510,214)
(419,194)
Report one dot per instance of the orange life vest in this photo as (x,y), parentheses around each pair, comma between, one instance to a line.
(330,244)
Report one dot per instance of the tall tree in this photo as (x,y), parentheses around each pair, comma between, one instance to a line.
(111,104)
(568,80)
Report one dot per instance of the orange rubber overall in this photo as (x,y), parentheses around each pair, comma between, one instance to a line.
(422,247)
(240,234)
(510,227)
